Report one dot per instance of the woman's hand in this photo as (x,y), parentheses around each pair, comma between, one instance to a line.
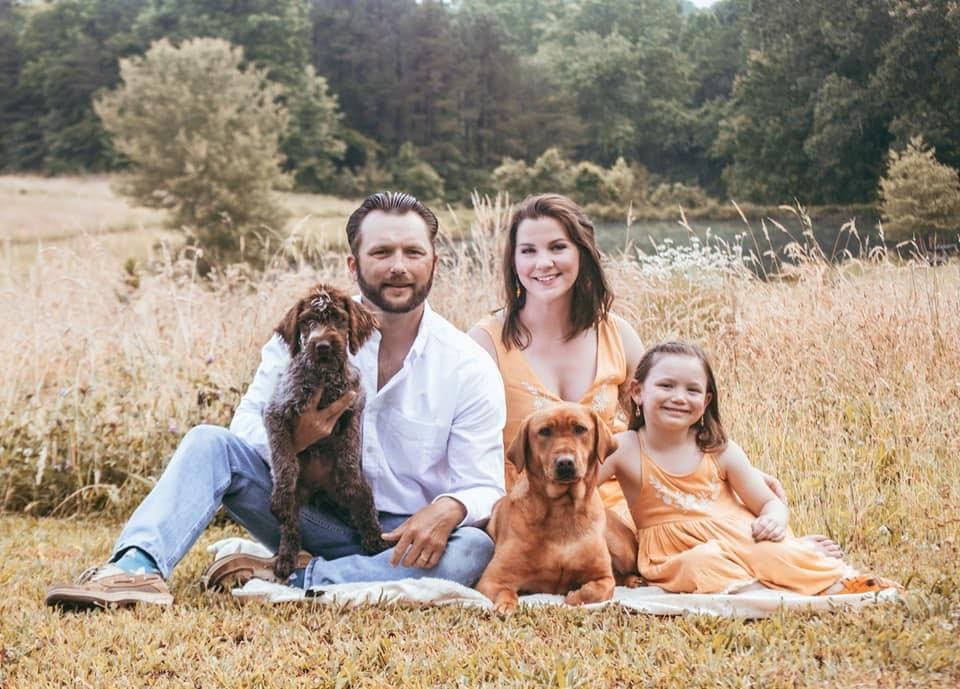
(315,424)
(768,528)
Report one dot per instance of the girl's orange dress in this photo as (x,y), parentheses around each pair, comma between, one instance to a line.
(526,394)
(695,537)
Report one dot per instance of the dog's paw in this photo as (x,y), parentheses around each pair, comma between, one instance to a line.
(284,565)
(506,602)
(632,581)
(374,544)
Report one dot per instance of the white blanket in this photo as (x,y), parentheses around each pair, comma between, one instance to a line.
(752,603)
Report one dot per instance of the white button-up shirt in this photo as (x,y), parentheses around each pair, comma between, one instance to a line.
(434,430)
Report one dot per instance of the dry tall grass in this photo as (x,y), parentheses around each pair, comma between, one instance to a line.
(843,381)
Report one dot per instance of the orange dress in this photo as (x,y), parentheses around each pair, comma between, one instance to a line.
(695,537)
(526,394)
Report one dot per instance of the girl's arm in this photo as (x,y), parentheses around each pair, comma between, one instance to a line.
(624,463)
(749,484)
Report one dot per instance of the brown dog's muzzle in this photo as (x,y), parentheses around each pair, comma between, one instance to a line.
(565,468)
(324,341)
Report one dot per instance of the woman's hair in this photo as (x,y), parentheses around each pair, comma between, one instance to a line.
(592,296)
(711,437)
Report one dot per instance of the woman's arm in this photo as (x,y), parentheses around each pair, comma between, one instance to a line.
(633,352)
(748,483)
(482,338)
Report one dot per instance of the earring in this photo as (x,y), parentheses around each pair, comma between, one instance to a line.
(519,288)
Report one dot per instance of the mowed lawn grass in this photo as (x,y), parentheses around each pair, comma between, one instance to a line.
(842,381)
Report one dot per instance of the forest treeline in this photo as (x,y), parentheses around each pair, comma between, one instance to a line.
(762,100)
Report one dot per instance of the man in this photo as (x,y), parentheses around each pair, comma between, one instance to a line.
(432,445)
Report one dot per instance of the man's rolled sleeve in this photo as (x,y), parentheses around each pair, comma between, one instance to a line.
(475,443)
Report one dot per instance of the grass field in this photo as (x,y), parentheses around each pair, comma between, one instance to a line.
(843,381)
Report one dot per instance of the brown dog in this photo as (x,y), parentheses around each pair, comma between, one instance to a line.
(551,530)
(318,331)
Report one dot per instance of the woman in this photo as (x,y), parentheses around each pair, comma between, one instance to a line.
(556,338)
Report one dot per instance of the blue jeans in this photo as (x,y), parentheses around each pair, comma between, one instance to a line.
(212,466)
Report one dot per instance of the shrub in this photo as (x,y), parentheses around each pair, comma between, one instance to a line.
(412,174)
(589,182)
(586,182)
(551,172)
(920,196)
(513,177)
(201,133)
(679,194)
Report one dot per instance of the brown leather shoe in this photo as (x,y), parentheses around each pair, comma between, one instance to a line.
(236,569)
(109,586)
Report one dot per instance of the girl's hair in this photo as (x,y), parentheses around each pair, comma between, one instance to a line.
(711,437)
(592,296)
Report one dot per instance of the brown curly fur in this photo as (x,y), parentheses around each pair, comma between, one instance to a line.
(318,330)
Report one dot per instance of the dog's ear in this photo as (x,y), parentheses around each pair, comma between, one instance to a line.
(289,328)
(362,323)
(606,444)
(519,449)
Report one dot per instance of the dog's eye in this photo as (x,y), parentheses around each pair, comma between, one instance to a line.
(579,430)
(545,432)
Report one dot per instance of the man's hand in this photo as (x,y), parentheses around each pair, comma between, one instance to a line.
(422,539)
(774,485)
(316,424)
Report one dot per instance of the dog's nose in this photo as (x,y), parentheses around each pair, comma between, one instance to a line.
(565,468)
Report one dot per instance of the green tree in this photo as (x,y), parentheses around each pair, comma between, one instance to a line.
(919,75)
(920,196)
(201,131)
(803,121)
(274,34)
(714,46)
(9,76)
(313,146)
(68,50)
(412,174)
(620,64)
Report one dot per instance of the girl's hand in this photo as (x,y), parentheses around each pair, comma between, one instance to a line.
(768,528)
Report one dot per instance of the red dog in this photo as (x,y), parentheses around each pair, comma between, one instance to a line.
(551,531)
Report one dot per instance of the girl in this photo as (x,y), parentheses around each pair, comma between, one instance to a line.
(682,479)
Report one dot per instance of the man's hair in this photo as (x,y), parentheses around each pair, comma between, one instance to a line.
(592,295)
(394,202)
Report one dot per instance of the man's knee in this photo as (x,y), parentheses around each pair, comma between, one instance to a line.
(207,441)
(469,551)
(206,445)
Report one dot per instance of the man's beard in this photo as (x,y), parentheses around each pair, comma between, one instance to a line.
(376,297)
